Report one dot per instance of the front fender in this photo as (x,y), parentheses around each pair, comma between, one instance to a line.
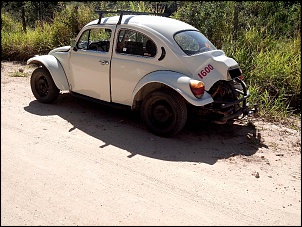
(177,81)
(54,67)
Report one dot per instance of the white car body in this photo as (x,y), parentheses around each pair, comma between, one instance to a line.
(117,77)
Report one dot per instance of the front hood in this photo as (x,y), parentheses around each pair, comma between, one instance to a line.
(210,66)
(60,49)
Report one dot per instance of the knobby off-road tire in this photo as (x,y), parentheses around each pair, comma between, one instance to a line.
(164,113)
(43,86)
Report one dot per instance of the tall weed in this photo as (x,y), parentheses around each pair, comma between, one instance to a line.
(272,69)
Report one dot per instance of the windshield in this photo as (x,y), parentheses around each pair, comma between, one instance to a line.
(193,42)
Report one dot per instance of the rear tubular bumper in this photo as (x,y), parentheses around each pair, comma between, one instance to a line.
(220,111)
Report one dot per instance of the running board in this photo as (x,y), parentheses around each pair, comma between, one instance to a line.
(90,99)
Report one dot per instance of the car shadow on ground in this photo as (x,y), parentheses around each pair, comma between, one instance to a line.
(198,142)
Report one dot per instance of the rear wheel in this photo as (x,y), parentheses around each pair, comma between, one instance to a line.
(164,113)
(43,86)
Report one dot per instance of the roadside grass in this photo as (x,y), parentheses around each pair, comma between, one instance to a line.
(19,74)
(272,71)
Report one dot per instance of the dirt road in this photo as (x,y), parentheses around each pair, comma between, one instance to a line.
(78,163)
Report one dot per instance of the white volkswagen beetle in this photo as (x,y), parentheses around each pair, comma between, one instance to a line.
(163,67)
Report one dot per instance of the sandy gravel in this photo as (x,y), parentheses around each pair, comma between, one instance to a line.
(78,163)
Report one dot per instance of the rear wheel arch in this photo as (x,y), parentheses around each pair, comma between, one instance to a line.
(145,90)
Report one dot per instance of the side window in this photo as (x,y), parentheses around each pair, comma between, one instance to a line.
(95,39)
(135,43)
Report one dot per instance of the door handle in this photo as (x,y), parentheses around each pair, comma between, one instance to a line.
(103,62)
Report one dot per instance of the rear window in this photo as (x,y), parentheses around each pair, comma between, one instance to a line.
(193,42)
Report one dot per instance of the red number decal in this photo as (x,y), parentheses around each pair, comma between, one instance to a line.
(205,71)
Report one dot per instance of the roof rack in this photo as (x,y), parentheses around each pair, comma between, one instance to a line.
(122,12)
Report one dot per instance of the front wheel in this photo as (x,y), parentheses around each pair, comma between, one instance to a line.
(164,113)
(43,86)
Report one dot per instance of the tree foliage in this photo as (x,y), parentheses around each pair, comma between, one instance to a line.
(218,19)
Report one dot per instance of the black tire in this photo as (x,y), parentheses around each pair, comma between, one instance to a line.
(43,86)
(164,113)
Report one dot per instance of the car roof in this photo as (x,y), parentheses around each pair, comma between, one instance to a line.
(164,25)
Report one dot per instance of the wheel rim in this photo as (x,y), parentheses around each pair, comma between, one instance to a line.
(42,86)
(161,114)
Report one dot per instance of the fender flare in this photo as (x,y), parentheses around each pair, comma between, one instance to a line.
(55,69)
(177,81)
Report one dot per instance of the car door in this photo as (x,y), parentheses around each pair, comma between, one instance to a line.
(90,62)
(134,57)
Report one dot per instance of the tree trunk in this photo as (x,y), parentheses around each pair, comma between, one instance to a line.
(235,22)
(23,18)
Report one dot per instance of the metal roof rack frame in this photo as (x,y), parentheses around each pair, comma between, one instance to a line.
(122,12)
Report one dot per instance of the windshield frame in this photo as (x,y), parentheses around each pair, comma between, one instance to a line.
(193,42)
